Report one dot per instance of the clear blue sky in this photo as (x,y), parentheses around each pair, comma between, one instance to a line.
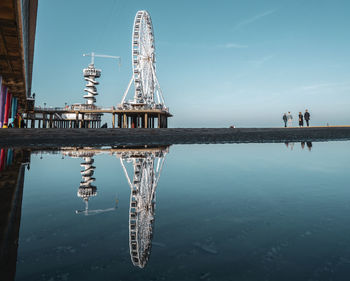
(218,62)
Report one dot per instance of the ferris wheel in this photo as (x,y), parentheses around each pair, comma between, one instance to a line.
(147,89)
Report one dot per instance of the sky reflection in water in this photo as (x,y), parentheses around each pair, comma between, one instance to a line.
(223,212)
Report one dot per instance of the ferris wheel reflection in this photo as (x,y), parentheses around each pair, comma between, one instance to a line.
(147,164)
(142,167)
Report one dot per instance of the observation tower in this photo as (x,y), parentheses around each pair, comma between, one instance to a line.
(90,75)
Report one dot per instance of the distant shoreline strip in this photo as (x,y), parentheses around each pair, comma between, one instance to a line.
(119,137)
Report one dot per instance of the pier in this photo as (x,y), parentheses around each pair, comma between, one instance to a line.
(121,118)
(17,37)
(145,108)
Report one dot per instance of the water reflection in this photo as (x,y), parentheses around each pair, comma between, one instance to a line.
(309,145)
(142,167)
(147,165)
(290,145)
(86,188)
(256,226)
(12,169)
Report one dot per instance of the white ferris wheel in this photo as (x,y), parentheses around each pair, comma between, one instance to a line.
(148,93)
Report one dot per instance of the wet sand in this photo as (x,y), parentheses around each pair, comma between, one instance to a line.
(120,137)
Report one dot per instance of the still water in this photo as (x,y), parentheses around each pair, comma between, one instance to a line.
(187,212)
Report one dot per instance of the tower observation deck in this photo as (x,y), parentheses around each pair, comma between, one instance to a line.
(90,75)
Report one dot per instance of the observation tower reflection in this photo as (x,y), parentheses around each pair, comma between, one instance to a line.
(86,188)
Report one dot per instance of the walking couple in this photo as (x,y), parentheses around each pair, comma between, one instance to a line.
(288,119)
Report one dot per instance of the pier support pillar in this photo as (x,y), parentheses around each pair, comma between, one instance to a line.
(82,123)
(124,121)
(113,121)
(77,120)
(119,120)
(50,122)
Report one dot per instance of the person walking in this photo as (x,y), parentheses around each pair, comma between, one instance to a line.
(307,117)
(290,119)
(301,120)
(285,119)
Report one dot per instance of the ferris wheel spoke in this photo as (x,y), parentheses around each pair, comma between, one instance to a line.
(146,83)
(143,57)
(143,52)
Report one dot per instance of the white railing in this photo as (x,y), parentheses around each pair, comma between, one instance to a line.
(72,107)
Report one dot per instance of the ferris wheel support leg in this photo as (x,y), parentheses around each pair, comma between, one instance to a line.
(157,173)
(127,89)
(160,169)
(160,90)
(159,101)
(126,173)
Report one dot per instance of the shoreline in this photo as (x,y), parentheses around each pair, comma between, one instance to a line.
(28,137)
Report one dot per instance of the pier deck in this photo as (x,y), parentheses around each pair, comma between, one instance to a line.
(116,137)
(121,118)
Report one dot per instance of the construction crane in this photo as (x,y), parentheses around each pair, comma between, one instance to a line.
(93,55)
(90,75)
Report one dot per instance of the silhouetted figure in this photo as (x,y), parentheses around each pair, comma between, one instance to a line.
(15,122)
(104,125)
(23,124)
(301,120)
(309,145)
(302,144)
(290,119)
(285,119)
(307,117)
